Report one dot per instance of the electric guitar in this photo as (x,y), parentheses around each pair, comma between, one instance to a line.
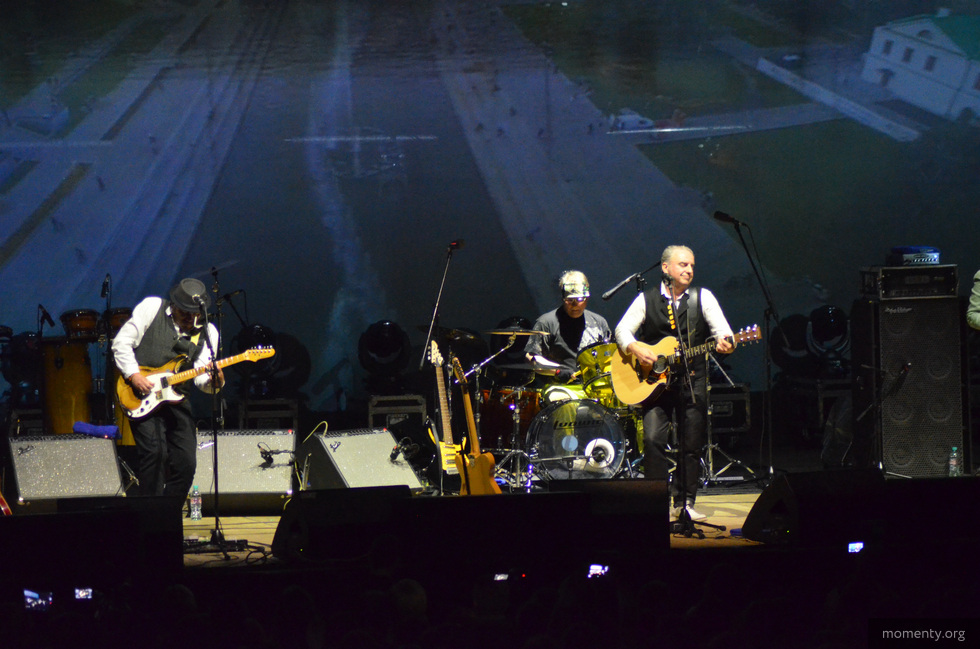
(164,378)
(475,468)
(632,383)
(445,449)
(4,507)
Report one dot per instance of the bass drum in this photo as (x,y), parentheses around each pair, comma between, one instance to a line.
(576,439)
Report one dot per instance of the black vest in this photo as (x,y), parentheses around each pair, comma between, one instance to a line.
(656,324)
(161,344)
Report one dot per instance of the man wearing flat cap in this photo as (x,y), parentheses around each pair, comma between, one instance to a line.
(160,331)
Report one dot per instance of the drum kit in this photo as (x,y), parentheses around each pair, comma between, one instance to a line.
(54,373)
(545,429)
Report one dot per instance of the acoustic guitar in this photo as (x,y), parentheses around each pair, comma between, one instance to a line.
(165,377)
(475,468)
(633,383)
(445,449)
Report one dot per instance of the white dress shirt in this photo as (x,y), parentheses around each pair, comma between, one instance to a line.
(636,315)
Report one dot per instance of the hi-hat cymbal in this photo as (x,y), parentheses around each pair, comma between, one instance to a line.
(516,332)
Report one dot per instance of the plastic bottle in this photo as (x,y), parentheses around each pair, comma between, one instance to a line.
(195,504)
(955,463)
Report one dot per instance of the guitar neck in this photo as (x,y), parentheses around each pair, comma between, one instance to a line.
(187,375)
(447,433)
(470,424)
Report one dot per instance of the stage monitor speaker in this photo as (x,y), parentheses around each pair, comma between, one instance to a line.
(908,385)
(824,508)
(255,470)
(64,466)
(340,524)
(354,458)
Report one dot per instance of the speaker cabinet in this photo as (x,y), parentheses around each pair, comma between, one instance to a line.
(354,458)
(255,469)
(908,387)
(824,508)
(64,466)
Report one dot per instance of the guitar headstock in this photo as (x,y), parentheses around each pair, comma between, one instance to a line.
(434,355)
(458,371)
(258,353)
(748,335)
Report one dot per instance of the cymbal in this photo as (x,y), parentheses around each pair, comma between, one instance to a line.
(453,336)
(516,332)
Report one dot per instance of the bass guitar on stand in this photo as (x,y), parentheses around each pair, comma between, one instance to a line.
(446,451)
(475,468)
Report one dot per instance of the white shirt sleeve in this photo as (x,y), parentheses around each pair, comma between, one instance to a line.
(631,322)
(714,316)
(131,333)
(204,358)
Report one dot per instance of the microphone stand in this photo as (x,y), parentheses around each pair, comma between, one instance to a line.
(684,525)
(771,315)
(217,542)
(435,311)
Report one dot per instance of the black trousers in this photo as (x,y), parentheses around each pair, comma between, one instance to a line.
(690,417)
(166,448)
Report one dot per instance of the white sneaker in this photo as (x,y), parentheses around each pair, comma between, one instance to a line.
(695,514)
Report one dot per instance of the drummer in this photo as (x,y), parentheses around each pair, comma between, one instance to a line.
(569,328)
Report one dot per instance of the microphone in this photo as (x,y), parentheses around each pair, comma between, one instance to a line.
(906,368)
(395,451)
(198,300)
(266,456)
(667,279)
(457,244)
(726,218)
(608,294)
(45,316)
(105,286)
(228,296)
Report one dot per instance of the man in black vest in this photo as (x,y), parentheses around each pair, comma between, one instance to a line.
(159,331)
(677,309)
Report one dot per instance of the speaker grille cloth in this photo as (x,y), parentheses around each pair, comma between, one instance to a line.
(65,466)
(921,410)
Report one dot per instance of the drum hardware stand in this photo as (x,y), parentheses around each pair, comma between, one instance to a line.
(520,475)
(713,447)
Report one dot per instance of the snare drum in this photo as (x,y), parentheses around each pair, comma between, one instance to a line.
(576,439)
(558,392)
(81,325)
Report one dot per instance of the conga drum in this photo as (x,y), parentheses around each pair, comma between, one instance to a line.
(67,384)
(81,325)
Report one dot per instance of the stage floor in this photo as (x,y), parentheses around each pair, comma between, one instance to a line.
(722,506)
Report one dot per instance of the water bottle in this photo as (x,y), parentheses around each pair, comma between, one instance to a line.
(195,504)
(955,463)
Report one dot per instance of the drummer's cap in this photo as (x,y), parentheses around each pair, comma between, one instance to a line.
(183,295)
(573,284)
